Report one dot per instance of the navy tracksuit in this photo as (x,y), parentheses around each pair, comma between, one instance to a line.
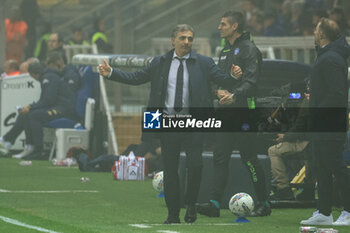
(56,101)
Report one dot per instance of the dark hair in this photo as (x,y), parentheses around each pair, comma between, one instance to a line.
(235,17)
(53,58)
(35,68)
(330,29)
(181,28)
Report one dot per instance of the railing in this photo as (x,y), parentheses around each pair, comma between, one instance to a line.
(72,50)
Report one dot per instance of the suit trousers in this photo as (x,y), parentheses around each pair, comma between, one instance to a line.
(328,157)
(172,144)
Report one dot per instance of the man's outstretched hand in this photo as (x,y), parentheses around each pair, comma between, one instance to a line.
(104,69)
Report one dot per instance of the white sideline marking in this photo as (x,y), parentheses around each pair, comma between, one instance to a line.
(140,225)
(165,231)
(49,191)
(200,224)
(18,223)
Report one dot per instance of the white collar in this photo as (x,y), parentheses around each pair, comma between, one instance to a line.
(187,56)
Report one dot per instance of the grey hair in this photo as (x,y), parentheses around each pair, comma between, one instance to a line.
(181,28)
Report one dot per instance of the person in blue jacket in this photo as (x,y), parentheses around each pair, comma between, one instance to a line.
(56,101)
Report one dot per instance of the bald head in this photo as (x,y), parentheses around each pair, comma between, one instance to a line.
(326,31)
(330,29)
(11,66)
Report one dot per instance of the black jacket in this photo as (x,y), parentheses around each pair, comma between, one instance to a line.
(201,71)
(72,77)
(329,88)
(54,93)
(246,55)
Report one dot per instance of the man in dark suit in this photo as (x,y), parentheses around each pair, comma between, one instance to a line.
(328,121)
(180,80)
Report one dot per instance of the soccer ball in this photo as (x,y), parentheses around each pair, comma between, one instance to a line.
(241,204)
(158,182)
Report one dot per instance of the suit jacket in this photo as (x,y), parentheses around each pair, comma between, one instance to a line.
(329,89)
(201,69)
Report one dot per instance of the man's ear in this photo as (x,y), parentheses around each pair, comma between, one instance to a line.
(235,26)
(173,41)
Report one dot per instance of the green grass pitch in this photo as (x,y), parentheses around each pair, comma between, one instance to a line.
(114,207)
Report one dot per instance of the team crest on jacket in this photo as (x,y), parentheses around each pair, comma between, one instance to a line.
(236,51)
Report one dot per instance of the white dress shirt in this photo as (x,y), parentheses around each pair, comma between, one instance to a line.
(171,87)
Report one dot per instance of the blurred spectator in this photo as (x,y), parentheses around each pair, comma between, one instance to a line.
(249,9)
(55,44)
(30,13)
(317,15)
(78,37)
(297,9)
(100,38)
(329,4)
(23,68)
(305,21)
(272,27)
(285,16)
(257,24)
(41,47)
(11,68)
(337,14)
(16,30)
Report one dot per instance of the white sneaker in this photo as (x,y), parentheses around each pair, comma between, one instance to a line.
(343,220)
(4,147)
(27,150)
(318,219)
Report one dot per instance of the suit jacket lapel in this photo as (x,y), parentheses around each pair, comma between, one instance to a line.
(164,74)
(193,77)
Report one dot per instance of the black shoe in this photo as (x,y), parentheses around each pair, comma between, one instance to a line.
(208,209)
(285,194)
(172,220)
(261,210)
(191,214)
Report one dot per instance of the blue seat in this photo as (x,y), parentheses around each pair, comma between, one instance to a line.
(64,123)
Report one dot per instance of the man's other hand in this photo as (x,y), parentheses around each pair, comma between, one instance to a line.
(222,93)
(227,98)
(236,71)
